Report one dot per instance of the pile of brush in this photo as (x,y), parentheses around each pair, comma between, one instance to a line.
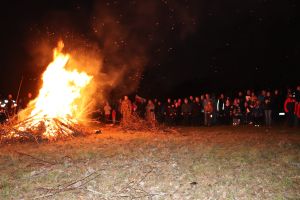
(135,123)
(31,129)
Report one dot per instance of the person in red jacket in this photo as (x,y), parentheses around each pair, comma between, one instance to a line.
(289,108)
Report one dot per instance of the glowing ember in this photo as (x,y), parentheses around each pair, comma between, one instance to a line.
(55,109)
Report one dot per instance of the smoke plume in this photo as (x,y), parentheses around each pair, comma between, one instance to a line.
(113,40)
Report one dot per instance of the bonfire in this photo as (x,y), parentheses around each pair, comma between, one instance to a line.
(56,112)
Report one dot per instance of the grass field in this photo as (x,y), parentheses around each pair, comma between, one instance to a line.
(181,163)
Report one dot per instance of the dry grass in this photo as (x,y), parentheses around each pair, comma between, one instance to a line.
(186,163)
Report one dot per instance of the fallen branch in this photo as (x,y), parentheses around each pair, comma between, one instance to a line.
(35,158)
(76,185)
(131,185)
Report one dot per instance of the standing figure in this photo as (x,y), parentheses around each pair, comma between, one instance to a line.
(150,114)
(114,116)
(186,112)
(107,112)
(227,112)
(221,109)
(268,109)
(126,109)
(196,112)
(208,110)
(297,105)
(289,108)
(257,113)
(167,112)
(10,106)
(236,112)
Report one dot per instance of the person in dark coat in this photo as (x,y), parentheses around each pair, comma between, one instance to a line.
(268,109)
(277,105)
(10,107)
(186,112)
(297,105)
(221,109)
(167,112)
(158,110)
(227,112)
(258,113)
(196,112)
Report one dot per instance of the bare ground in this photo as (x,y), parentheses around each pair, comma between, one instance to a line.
(183,163)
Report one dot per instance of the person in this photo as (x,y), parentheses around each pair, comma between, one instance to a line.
(277,102)
(289,108)
(236,112)
(26,100)
(178,117)
(297,105)
(248,113)
(10,106)
(118,104)
(107,112)
(173,114)
(158,111)
(3,115)
(191,99)
(167,112)
(253,98)
(202,101)
(221,108)
(227,111)
(126,111)
(214,104)
(268,109)
(196,112)
(242,100)
(179,102)
(114,116)
(140,106)
(248,95)
(208,110)
(297,94)
(262,96)
(257,113)
(186,112)
(150,114)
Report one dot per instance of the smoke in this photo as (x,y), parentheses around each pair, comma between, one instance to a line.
(114,40)
(130,32)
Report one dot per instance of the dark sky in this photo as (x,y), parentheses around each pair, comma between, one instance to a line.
(186,46)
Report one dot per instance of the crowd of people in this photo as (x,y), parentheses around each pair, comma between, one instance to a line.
(246,107)
(263,108)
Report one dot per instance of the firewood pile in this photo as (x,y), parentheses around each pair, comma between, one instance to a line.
(45,129)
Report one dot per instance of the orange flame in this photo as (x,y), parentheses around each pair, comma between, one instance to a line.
(59,97)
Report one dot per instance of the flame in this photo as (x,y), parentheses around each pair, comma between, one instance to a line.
(59,98)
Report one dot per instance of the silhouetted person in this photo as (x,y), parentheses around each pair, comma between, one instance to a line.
(208,111)
(289,108)
(221,108)
(186,111)
(126,111)
(196,112)
(268,109)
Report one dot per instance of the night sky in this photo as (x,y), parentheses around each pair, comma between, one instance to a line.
(173,47)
